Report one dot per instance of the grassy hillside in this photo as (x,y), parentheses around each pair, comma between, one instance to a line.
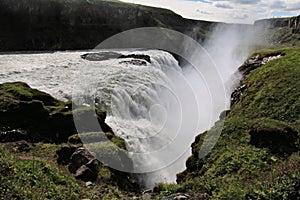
(257,155)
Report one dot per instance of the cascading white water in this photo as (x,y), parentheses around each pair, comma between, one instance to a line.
(144,102)
(158,108)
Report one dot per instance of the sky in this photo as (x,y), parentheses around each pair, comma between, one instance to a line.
(231,11)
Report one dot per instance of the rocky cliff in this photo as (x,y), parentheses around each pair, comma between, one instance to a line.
(281,30)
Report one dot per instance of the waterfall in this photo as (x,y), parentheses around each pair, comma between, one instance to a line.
(157,107)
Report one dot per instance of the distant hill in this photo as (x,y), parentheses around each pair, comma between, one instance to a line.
(281,31)
(81,24)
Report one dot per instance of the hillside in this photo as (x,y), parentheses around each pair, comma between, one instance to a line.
(28,25)
(81,24)
(281,31)
(258,153)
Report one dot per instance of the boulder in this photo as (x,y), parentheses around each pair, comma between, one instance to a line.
(137,57)
(177,196)
(12,135)
(40,116)
(64,154)
(80,157)
(277,136)
(93,164)
(100,56)
(134,62)
(86,174)
(22,146)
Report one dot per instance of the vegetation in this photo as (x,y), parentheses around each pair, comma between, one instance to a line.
(34,174)
(237,167)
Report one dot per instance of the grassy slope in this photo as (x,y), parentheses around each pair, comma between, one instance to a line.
(36,175)
(29,170)
(235,169)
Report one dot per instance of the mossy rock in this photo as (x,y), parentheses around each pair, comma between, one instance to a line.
(111,155)
(275,135)
(41,116)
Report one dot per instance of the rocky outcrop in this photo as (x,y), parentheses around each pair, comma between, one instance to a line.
(35,115)
(137,59)
(280,30)
(80,24)
(277,136)
(86,167)
(137,56)
(291,22)
(250,65)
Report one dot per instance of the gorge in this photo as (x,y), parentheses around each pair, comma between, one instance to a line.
(159,101)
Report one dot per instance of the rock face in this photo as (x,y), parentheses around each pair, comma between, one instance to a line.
(292,22)
(280,30)
(250,65)
(81,24)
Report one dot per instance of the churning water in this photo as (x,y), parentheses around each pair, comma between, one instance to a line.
(157,107)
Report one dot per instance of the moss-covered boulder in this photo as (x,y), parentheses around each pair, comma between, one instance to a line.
(275,135)
(39,115)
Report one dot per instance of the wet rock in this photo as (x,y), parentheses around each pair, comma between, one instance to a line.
(137,56)
(100,56)
(23,146)
(80,157)
(237,93)
(250,65)
(74,139)
(257,61)
(64,154)
(85,174)
(177,196)
(134,62)
(224,114)
(93,164)
(88,184)
(12,135)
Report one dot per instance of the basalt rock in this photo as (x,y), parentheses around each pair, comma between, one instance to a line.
(248,66)
(137,56)
(134,62)
(64,154)
(86,174)
(12,135)
(80,157)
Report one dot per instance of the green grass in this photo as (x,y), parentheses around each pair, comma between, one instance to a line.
(35,174)
(235,169)
(33,179)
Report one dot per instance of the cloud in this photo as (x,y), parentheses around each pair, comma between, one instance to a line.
(242,11)
(223,5)
(294,7)
(247,2)
(203,12)
(240,17)
(203,1)
(277,4)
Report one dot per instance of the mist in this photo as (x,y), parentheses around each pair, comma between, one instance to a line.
(225,50)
